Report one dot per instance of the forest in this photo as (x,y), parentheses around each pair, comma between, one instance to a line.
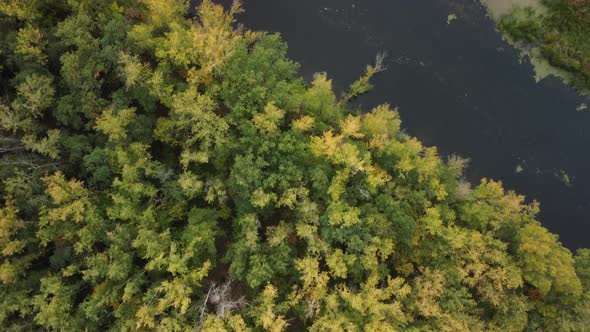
(163,172)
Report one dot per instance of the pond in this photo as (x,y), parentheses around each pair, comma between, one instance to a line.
(458,86)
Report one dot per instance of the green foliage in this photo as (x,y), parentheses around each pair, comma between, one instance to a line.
(34,95)
(522,24)
(562,34)
(258,75)
(169,173)
(30,45)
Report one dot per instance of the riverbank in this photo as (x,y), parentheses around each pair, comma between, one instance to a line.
(554,35)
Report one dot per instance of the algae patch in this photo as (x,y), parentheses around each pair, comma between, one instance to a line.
(498,8)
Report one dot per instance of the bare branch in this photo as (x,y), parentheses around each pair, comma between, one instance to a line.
(379,59)
(204,306)
(220,296)
(236,8)
(4,150)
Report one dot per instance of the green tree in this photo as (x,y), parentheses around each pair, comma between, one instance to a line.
(171,173)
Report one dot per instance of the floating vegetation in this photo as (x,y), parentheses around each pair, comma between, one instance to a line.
(582,107)
(564,177)
(559,174)
(519,169)
(543,68)
(451,18)
(498,8)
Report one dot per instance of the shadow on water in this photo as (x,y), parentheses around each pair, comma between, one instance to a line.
(458,86)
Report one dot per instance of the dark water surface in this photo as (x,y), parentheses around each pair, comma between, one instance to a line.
(458,86)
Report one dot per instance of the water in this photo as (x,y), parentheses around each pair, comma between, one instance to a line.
(458,86)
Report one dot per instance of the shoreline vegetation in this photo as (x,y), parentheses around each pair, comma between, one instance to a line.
(553,34)
(165,173)
(499,8)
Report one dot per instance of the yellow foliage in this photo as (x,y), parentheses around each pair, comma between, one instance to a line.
(25,10)
(177,294)
(342,214)
(413,146)
(546,264)
(176,46)
(350,127)
(338,185)
(160,87)
(198,46)
(233,323)
(321,90)
(133,70)
(429,164)
(430,225)
(269,120)
(378,250)
(378,302)
(214,323)
(9,226)
(485,266)
(303,124)
(510,202)
(70,196)
(378,142)
(460,323)
(75,210)
(408,151)
(214,38)
(145,317)
(190,183)
(327,145)
(163,12)
(113,125)
(267,318)
(438,189)
(428,289)
(315,283)
(377,177)
(381,122)
(7,272)
(237,324)
(261,199)
(349,155)
(277,235)
(337,151)
(336,263)
(290,196)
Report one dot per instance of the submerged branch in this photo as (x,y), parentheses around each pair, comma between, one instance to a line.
(363,84)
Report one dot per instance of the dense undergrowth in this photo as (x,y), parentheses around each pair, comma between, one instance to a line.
(562,33)
(173,174)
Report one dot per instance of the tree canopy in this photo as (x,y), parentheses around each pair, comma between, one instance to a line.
(172,173)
